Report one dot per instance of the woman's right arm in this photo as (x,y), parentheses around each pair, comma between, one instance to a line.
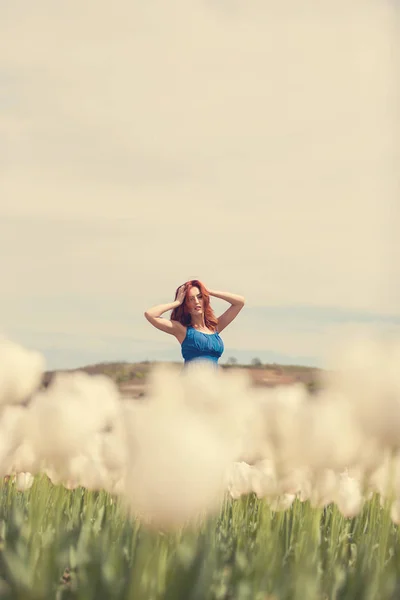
(153,315)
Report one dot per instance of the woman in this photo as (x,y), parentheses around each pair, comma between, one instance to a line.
(193,321)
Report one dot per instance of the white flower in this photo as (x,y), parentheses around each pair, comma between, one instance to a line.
(349,498)
(395,511)
(324,488)
(20,372)
(281,503)
(263,478)
(24,481)
(239,479)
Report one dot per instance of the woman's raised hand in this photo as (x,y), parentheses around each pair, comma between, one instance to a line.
(181,294)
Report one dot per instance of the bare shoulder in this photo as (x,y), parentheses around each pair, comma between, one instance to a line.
(168,326)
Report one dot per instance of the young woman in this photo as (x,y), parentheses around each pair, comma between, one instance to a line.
(193,321)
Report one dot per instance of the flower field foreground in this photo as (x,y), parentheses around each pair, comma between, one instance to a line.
(206,488)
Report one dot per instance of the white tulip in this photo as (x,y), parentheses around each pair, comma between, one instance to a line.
(349,498)
(21,372)
(24,481)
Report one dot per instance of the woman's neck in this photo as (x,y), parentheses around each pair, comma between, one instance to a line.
(198,323)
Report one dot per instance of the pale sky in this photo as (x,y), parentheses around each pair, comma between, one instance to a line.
(249,143)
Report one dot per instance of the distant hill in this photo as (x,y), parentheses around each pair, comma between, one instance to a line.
(132,378)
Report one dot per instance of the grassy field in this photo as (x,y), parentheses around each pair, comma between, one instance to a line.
(63,544)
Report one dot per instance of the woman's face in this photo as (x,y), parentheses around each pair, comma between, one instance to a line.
(194,301)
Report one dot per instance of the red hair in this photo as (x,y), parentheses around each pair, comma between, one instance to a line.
(181,313)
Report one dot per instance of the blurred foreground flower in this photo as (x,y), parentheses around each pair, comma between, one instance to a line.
(24,481)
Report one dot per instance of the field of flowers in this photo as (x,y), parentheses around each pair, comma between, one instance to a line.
(205,489)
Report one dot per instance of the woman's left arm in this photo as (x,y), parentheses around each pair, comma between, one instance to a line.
(232,298)
(237,303)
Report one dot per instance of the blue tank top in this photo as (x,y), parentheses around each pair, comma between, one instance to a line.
(201,346)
